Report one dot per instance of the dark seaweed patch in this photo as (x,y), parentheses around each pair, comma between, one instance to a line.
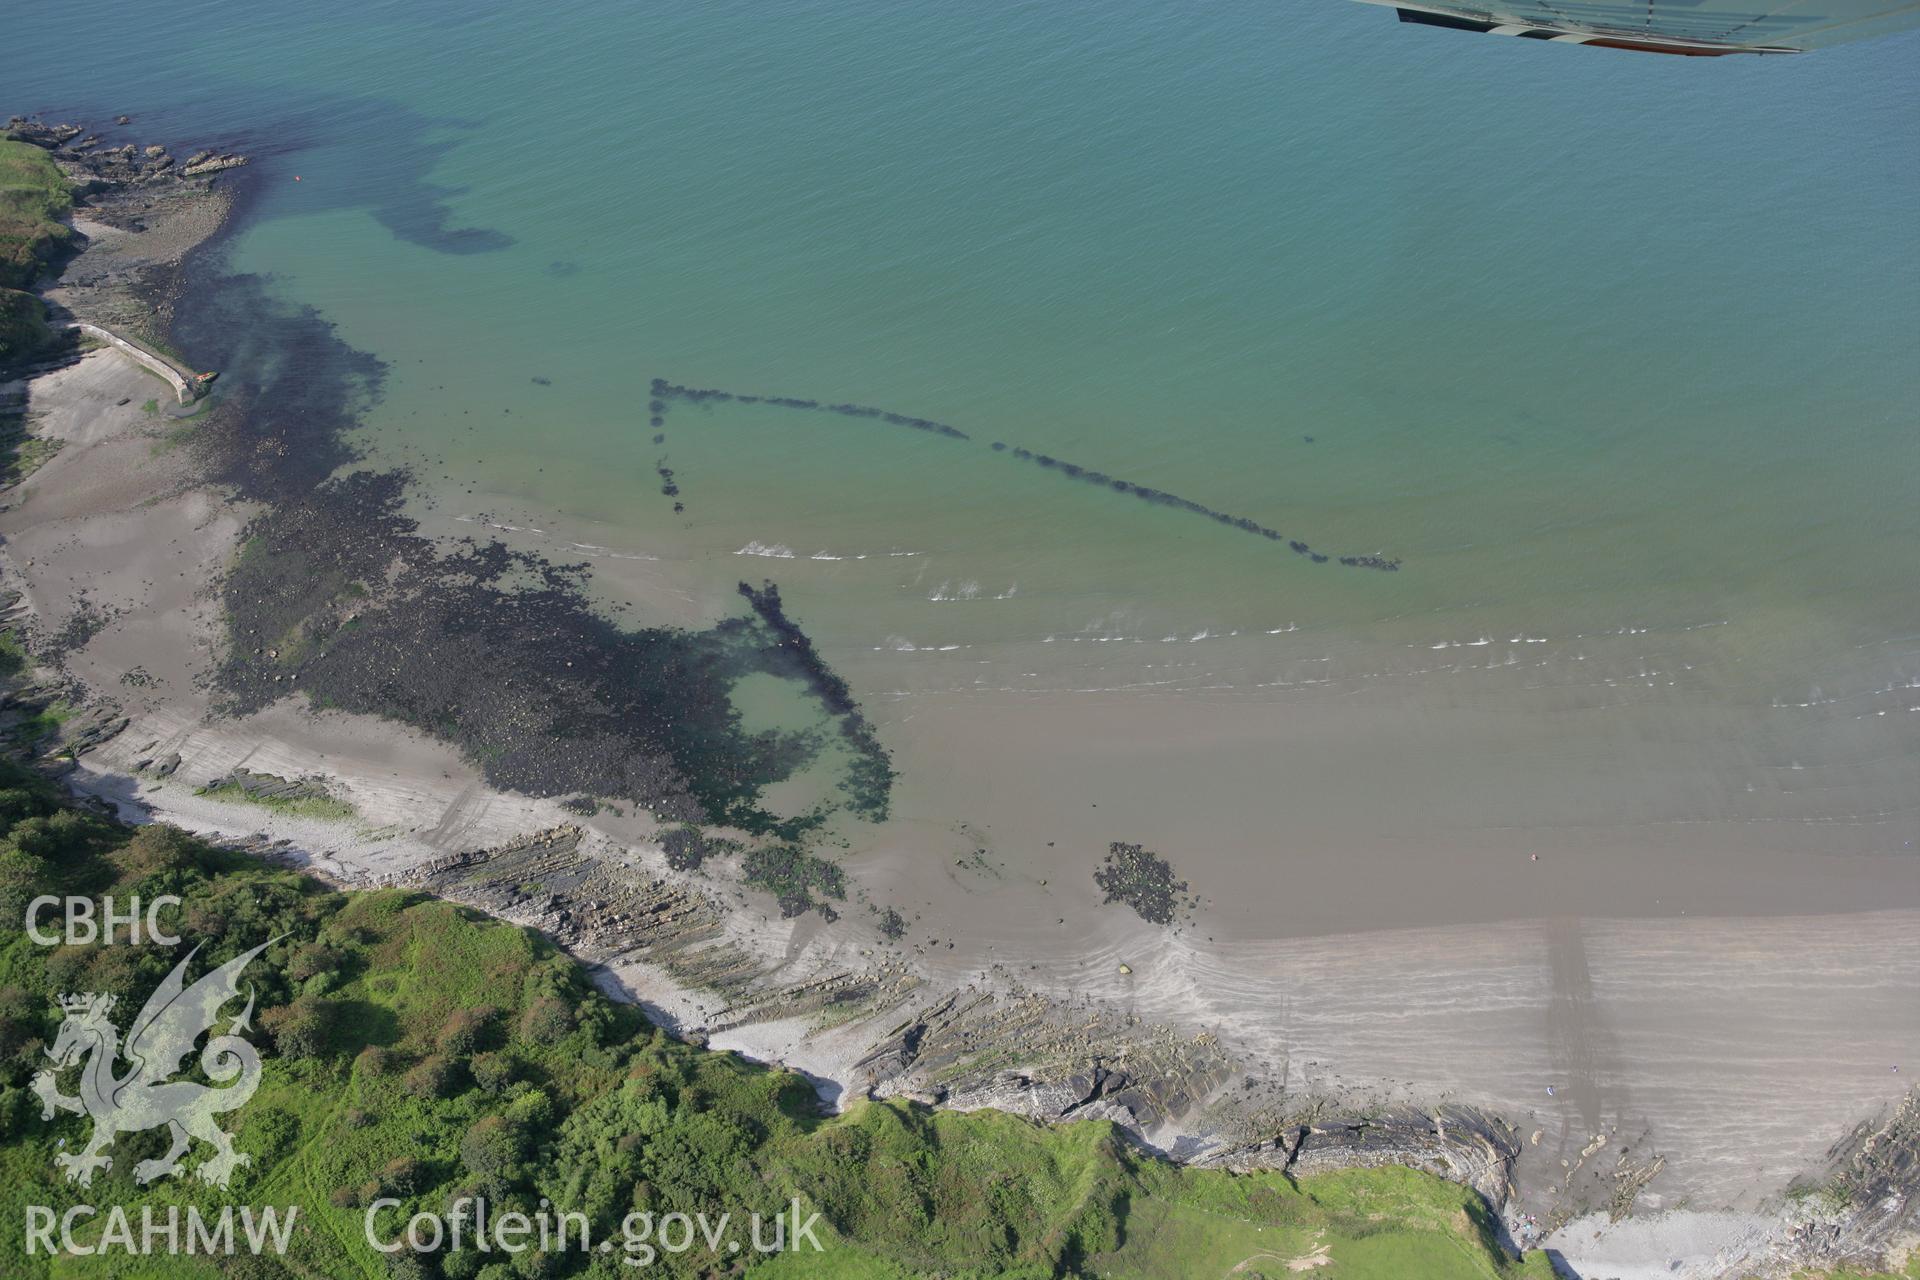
(424,219)
(791,874)
(337,596)
(291,390)
(685,847)
(869,781)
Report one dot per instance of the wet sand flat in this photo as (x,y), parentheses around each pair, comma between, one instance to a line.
(1739,1048)
(1737,1039)
(1729,995)
(1334,814)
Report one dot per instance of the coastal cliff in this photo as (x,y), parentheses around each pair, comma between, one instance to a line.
(459,652)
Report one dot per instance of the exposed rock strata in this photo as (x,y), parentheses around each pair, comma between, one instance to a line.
(265,786)
(1866,1211)
(1464,1144)
(1014,1051)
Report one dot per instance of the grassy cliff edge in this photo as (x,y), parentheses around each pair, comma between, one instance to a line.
(34,201)
(417,1051)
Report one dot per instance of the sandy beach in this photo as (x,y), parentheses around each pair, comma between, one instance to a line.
(1736,1045)
(1670,1025)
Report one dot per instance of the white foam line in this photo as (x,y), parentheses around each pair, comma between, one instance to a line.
(590,548)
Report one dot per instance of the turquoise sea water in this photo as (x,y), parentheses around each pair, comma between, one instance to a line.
(1616,353)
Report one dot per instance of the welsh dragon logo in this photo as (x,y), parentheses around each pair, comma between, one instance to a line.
(146,1096)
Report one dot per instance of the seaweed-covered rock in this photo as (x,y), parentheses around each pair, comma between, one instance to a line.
(1144,881)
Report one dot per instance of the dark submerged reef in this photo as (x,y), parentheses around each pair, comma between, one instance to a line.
(424,221)
(1144,881)
(869,781)
(337,595)
(290,390)
(664,390)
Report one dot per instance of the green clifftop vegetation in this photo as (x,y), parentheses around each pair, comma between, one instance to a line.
(420,1051)
(34,200)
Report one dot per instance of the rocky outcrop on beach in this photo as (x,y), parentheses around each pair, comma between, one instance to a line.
(1461,1143)
(139,212)
(44,714)
(41,134)
(343,597)
(265,788)
(595,908)
(1865,1211)
(202,163)
(608,909)
(1038,1056)
(1011,1050)
(98,168)
(1858,1215)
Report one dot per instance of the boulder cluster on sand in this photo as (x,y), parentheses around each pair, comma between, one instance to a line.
(685,847)
(1144,881)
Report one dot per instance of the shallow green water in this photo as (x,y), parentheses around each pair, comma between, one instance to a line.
(1616,353)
